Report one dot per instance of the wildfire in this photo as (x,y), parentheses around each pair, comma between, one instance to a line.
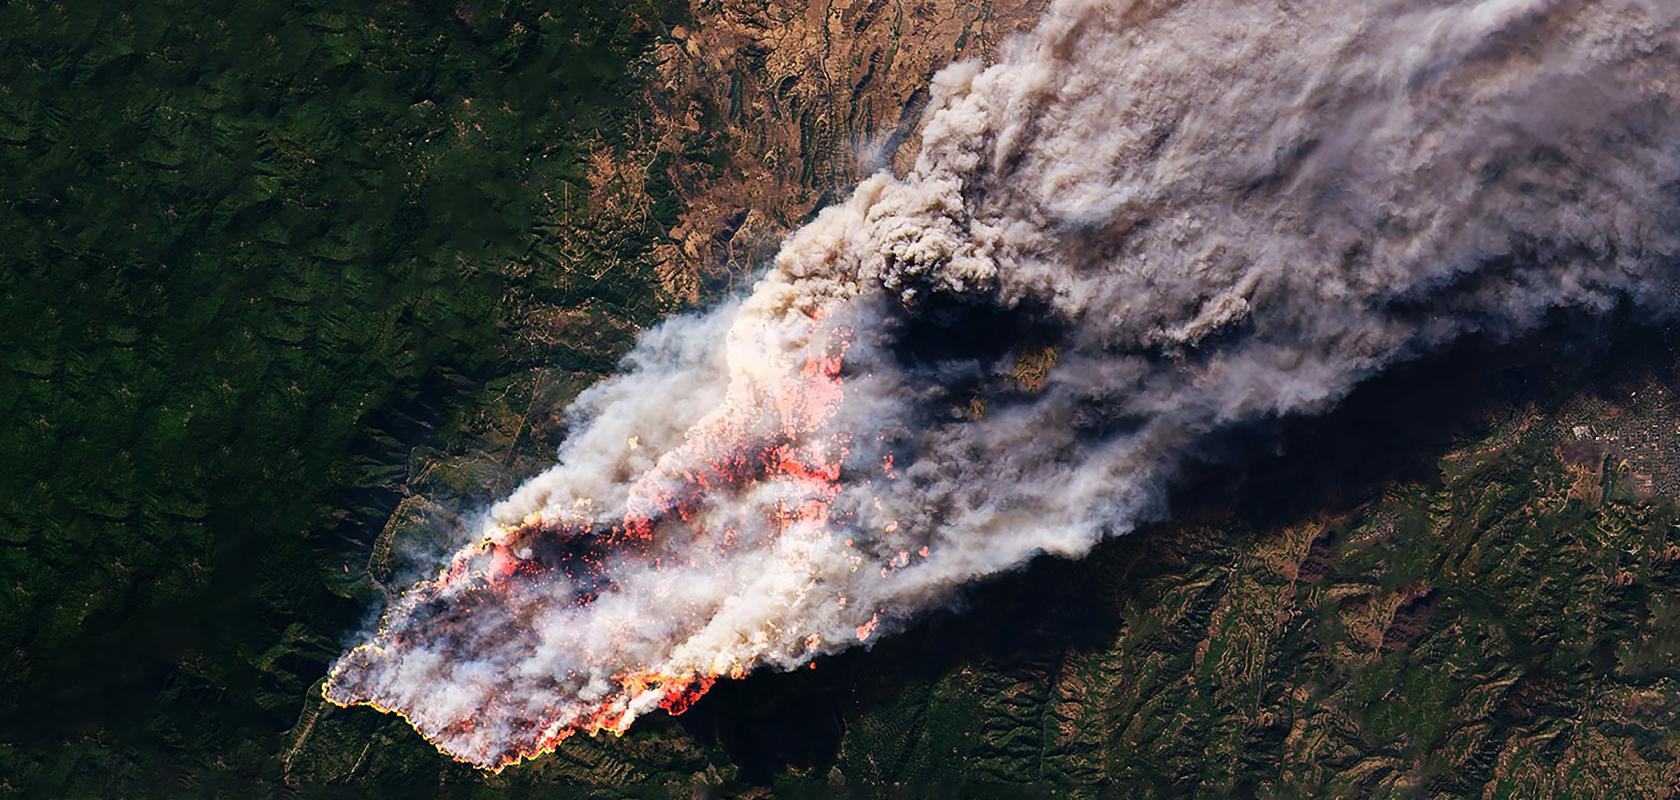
(732,451)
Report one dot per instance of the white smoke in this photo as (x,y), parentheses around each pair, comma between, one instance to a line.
(1217,211)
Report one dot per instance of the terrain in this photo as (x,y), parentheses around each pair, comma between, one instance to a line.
(288,289)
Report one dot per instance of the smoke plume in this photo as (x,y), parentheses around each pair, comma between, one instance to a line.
(1148,222)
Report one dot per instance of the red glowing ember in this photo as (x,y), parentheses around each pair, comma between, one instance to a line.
(527,583)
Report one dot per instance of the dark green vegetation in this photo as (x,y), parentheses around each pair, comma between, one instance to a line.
(254,253)
(282,288)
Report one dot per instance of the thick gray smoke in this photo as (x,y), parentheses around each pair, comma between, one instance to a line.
(1213,211)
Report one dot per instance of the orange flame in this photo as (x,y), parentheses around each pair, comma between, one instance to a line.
(798,451)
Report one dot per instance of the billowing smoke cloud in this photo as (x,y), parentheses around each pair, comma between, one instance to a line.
(1196,214)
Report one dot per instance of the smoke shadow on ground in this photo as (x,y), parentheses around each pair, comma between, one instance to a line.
(1394,428)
